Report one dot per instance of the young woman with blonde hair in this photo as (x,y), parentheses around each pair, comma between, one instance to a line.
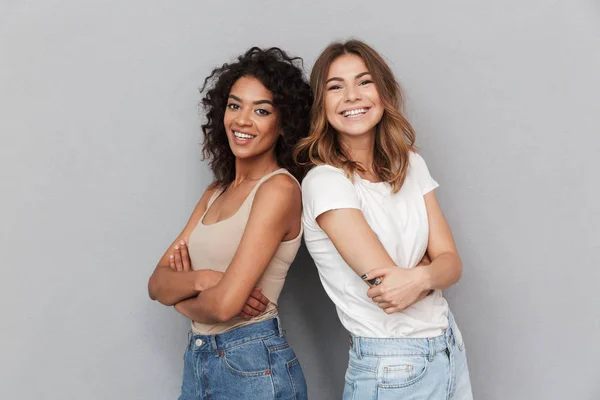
(370,215)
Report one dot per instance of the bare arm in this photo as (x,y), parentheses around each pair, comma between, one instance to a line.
(446,266)
(354,239)
(275,213)
(168,286)
(403,287)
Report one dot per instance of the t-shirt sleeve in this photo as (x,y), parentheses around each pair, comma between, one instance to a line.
(421,174)
(326,188)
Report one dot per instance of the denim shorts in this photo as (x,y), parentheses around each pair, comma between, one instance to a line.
(250,362)
(408,369)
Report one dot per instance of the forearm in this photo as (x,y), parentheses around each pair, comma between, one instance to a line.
(170,287)
(203,309)
(444,271)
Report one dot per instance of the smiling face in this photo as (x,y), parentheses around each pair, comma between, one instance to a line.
(251,119)
(352,103)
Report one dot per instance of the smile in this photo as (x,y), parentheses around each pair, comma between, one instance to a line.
(243,136)
(354,113)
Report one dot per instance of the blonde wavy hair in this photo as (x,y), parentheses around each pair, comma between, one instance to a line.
(394,137)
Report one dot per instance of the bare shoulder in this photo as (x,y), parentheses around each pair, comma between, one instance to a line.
(279,191)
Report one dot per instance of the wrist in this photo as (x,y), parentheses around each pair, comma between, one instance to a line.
(424,277)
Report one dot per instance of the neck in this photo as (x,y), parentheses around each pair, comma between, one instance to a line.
(251,169)
(360,149)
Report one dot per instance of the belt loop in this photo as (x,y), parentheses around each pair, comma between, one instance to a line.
(279,328)
(431,350)
(357,350)
(213,344)
(451,339)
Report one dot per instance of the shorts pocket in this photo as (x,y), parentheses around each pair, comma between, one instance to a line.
(248,359)
(401,372)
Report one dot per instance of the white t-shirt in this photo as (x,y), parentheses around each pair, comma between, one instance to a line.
(401,224)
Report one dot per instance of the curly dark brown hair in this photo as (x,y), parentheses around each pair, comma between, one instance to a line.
(283,75)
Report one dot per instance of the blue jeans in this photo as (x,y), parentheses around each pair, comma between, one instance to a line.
(409,369)
(251,362)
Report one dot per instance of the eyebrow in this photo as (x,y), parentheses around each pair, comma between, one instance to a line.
(335,78)
(231,96)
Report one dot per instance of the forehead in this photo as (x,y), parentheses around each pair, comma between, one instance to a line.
(347,65)
(251,89)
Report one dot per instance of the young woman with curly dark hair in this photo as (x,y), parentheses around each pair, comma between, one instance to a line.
(226,269)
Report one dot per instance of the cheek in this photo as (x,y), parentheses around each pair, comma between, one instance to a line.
(330,108)
(227,118)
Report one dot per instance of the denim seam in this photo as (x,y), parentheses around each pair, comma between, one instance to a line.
(254,339)
(362,367)
(288,365)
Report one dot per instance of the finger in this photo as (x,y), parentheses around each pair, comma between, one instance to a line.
(392,310)
(378,299)
(245,316)
(375,291)
(376,273)
(185,257)
(172,262)
(250,311)
(178,262)
(258,295)
(256,305)
(385,305)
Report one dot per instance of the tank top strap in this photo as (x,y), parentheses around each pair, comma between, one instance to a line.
(212,199)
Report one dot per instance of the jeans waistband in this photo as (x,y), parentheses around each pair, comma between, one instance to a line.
(236,337)
(382,347)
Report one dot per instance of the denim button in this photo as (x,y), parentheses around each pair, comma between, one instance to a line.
(199,342)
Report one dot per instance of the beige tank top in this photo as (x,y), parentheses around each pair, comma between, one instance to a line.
(213,247)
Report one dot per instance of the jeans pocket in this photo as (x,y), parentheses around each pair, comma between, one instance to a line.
(248,359)
(401,372)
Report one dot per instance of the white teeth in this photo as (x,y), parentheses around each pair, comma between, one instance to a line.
(354,112)
(241,135)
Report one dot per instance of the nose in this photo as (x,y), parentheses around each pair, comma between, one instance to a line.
(352,94)
(244,117)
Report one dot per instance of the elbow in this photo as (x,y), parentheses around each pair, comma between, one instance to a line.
(152,288)
(458,269)
(155,293)
(224,312)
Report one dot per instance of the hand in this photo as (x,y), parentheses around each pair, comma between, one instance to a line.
(255,305)
(399,288)
(179,260)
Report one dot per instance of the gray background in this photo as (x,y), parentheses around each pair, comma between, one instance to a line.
(100,168)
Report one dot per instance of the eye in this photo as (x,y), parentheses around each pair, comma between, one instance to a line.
(263,112)
(233,106)
(365,82)
(334,87)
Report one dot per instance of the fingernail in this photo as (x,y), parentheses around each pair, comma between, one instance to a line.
(176,247)
(171,256)
(182,243)
(364,276)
